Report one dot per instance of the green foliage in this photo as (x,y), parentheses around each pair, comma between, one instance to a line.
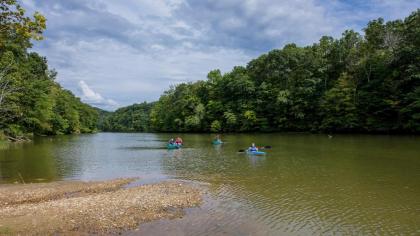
(30,100)
(249,120)
(216,126)
(411,112)
(230,121)
(192,122)
(17,29)
(134,118)
(14,130)
(355,83)
(338,106)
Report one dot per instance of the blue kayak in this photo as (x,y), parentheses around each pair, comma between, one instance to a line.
(216,142)
(173,146)
(255,152)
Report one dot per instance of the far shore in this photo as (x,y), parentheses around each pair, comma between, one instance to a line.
(102,207)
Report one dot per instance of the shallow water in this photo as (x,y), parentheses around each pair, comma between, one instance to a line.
(306,184)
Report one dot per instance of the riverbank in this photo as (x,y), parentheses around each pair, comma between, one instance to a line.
(90,207)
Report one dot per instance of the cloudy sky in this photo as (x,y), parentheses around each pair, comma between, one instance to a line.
(113,53)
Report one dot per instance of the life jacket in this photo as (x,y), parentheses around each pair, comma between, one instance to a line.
(253,149)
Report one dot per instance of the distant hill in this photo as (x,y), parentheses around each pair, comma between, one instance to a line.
(133,118)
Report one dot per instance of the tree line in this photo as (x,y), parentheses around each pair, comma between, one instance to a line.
(356,83)
(134,118)
(31,101)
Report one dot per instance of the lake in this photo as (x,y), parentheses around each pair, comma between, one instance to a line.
(306,184)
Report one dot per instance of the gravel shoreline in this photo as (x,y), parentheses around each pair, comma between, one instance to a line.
(90,207)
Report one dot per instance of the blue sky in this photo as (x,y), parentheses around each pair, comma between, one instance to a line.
(114,53)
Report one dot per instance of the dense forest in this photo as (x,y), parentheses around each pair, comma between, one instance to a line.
(357,83)
(134,118)
(31,102)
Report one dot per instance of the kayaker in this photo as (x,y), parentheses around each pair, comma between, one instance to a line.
(253,148)
(178,141)
(217,138)
(171,141)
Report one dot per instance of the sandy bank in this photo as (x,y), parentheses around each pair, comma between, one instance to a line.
(95,207)
(41,192)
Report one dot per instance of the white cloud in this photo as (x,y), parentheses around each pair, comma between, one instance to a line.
(112,103)
(92,97)
(88,94)
(134,50)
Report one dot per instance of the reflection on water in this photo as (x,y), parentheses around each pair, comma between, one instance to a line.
(306,184)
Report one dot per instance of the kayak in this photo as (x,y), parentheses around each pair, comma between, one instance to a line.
(173,146)
(255,152)
(216,142)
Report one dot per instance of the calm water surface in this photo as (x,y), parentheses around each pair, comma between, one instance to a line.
(306,184)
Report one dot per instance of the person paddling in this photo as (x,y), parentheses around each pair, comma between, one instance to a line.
(178,141)
(253,148)
(171,141)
